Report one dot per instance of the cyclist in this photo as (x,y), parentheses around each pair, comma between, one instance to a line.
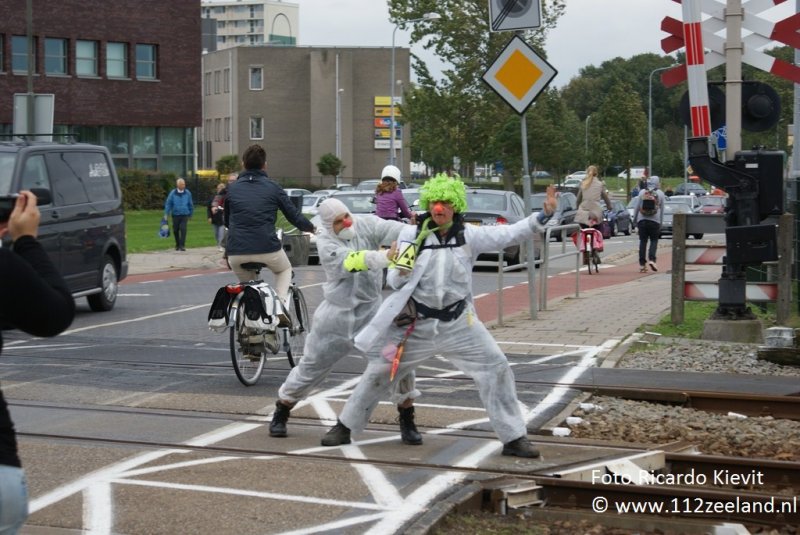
(251,208)
(348,251)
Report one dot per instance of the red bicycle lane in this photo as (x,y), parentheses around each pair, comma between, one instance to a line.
(515,298)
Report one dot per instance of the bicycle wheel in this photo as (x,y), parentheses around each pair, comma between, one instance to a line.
(248,359)
(596,261)
(301,326)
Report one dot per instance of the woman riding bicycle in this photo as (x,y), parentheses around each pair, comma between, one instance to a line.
(389,200)
(591,191)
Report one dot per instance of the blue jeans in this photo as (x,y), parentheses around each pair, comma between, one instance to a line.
(13,499)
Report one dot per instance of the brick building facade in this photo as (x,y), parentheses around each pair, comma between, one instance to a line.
(125,77)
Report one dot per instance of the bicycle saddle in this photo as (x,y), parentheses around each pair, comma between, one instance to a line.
(253,266)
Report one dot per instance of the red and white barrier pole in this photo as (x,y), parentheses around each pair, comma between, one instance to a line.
(695,68)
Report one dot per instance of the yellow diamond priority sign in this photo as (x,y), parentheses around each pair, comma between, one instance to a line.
(518,74)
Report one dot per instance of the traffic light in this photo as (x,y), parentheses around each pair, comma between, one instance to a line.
(761,107)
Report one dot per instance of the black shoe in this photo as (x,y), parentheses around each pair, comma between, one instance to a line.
(520,447)
(408,430)
(277,427)
(337,435)
(183,248)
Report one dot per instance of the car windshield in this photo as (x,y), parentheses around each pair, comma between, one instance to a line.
(7,160)
(411,196)
(676,208)
(483,201)
(712,200)
(537,201)
(357,204)
(310,200)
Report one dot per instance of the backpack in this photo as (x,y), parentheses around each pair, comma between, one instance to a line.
(649,203)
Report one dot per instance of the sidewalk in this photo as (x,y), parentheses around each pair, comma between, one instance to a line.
(611,304)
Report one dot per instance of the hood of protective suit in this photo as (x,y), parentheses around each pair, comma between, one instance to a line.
(329,210)
(653,182)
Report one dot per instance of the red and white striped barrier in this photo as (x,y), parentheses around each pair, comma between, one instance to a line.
(705,255)
(755,292)
(695,68)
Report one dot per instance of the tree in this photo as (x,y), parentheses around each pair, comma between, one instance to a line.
(623,125)
(228,164)
(330,165)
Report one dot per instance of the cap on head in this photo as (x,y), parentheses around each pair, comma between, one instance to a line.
(444,188)
(329,210)
(391,172)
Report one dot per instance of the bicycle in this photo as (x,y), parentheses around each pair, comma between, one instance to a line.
(589,242)
(249,345)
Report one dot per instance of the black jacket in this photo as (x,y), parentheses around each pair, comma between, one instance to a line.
(251,208)
(35,299)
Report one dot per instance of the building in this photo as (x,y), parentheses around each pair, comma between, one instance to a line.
(120,76)
(288,100)
(253,22)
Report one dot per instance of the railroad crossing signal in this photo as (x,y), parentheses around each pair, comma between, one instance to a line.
(764,33)
(510,15)
(518,74)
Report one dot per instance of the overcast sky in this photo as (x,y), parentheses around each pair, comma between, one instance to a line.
(590,32)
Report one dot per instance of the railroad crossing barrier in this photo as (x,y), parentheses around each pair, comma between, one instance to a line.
(778,291)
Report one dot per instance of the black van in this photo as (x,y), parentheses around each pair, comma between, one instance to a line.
(82,226)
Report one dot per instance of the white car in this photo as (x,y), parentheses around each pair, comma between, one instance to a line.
(311,203)
(576,175)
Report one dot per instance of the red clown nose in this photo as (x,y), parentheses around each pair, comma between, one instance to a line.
(347,223)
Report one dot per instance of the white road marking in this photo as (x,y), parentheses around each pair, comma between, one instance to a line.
(134,320)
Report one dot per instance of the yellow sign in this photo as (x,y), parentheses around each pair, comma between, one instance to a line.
(518,74)
(406,256)
(387,111)
(385,101)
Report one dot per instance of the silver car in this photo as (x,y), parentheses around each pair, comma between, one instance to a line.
(495,207)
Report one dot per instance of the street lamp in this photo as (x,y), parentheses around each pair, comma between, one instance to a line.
(338,127)
(426,16)
(650,117)
(587,139)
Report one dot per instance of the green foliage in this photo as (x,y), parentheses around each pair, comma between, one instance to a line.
(330,165)
(230,163)
(144,189)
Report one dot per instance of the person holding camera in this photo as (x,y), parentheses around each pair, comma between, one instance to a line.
(35,299)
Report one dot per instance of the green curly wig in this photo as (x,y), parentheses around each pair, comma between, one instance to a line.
(444,188)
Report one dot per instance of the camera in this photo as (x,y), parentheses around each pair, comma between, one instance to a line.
(7,203)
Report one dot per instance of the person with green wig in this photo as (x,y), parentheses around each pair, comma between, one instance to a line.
(432,313)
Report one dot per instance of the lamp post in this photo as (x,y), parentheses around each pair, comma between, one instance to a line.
(650,117)
(426,16)
(338,127)
(586,150)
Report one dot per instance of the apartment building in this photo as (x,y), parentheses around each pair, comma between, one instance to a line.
(301,103)
(120,77)
(253,22)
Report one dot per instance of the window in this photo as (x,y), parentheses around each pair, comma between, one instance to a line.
(217,128)
(256,78)
(116,139)
(207,130)
(173,140)
(19,53)
(34,173)
(117,60)
(146,57)
(207,83)
(55,56)
(81,177)
(227,128)
(86,58)
(226,80)
(256,128)
(217,75)
(144,140)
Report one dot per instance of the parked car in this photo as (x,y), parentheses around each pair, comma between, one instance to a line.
(291,192)
(631,207)
(576,175)
(670,209)
(496,207)
(571,185)
(713,204)
(619,218)
(312,201)
(82,225)
(689,188)
(692,201)
(371,184)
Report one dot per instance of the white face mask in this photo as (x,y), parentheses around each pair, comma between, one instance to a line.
(346,234)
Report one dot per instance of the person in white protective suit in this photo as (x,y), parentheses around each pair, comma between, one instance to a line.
(349,253)
(439,288)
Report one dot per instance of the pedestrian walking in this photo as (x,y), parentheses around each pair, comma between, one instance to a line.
(179,204)
(214,212)
(648,214)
